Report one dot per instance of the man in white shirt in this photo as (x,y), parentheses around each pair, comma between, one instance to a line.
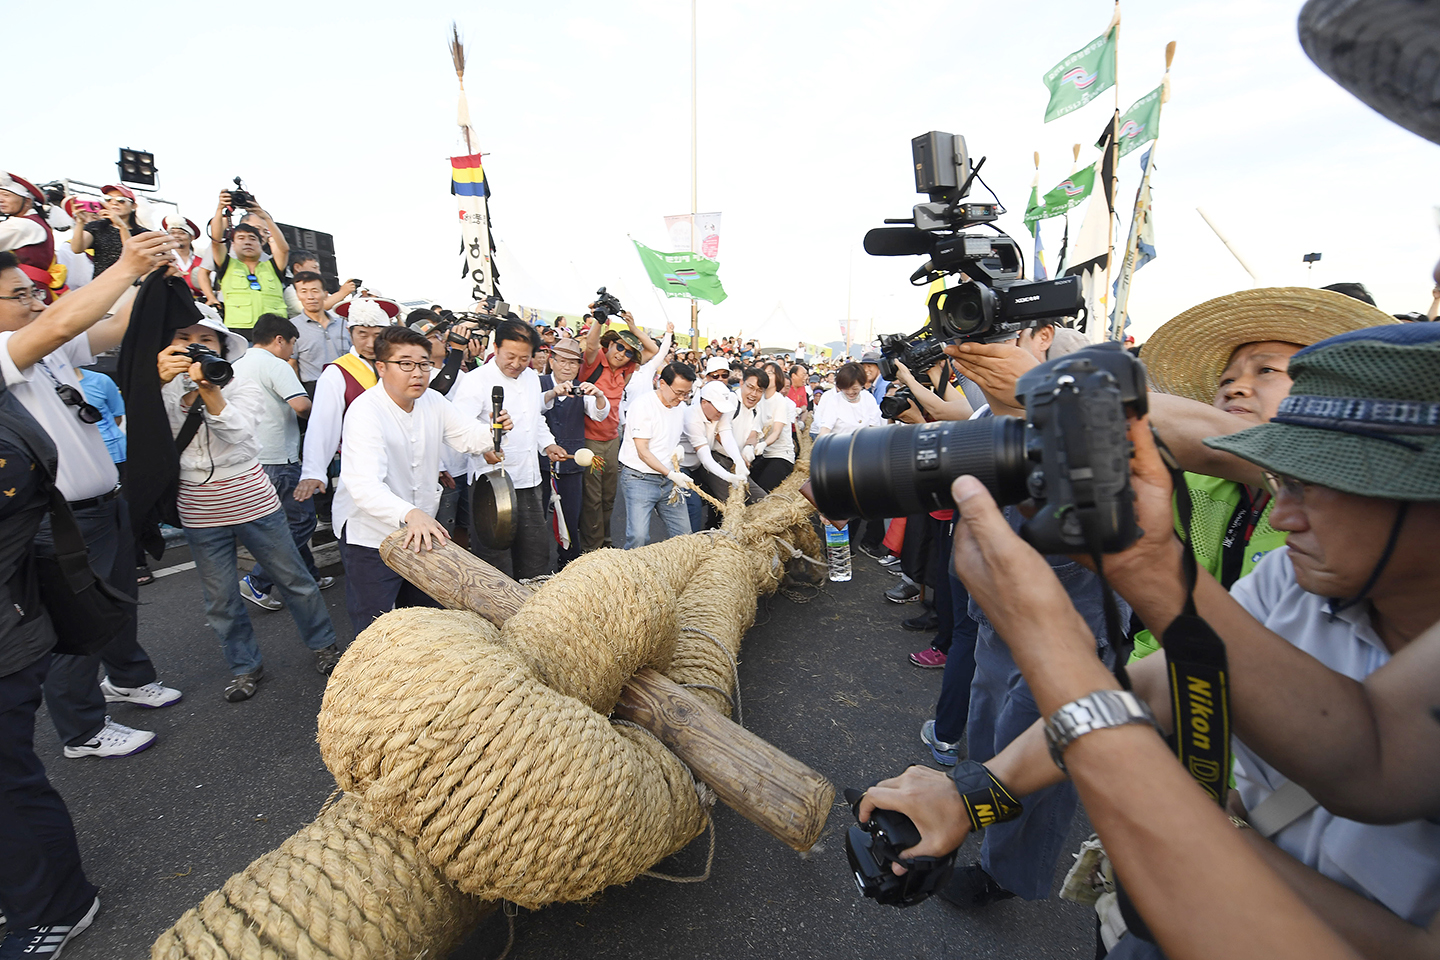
(390,475)
(515,342)
(267,363)
(648,478)
(748,424)
(642,381)
(40,351)
(707,423)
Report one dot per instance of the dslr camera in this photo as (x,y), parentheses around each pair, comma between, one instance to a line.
(1070,454)
(607,305)
(897,403)
(213,367)
(241,197)
(873,846)
(992,302)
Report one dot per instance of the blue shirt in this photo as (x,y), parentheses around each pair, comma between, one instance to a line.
(878,389)
(104,395)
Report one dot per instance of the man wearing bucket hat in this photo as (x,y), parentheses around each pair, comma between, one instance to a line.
(1232,353)
(339,384)
(1333,661)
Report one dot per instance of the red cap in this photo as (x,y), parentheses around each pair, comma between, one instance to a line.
(125,192)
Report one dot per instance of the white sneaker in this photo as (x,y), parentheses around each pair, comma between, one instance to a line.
(325,583)
(262,600)
(113,740)
(151,695)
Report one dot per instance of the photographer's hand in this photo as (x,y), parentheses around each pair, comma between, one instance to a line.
(929,798)
(994,368)
(172,362)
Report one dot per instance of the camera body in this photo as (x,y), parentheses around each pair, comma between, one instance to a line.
(241,197)
(1070,455)
(873,846)
(893,406)
(213,367)
(607,305)
(919,352)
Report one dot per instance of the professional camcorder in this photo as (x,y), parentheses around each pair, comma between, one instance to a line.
(1070,454)
(992,303)
(213,367)
(874,845)
(606,306)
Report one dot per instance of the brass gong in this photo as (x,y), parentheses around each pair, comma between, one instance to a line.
(492,504)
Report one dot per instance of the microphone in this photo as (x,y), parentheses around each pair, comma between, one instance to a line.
(897,242)
(497,404)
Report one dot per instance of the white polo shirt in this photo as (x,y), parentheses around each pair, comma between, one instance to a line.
(1398,865)
(662,426)
(85,468)
(525,442)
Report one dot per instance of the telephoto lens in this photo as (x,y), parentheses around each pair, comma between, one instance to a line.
(899,471)
(213,367)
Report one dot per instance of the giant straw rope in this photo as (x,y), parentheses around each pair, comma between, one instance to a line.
(479,764)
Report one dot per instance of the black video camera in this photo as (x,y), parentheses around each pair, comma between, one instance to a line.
(919,352)
(240,197)
(1070,454)
(993,303)
(606,306)
(895,404)
(213,367)
(873,846)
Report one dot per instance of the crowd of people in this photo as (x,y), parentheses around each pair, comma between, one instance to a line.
(251,405)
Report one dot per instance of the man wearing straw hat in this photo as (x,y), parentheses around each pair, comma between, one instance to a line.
(1232,353)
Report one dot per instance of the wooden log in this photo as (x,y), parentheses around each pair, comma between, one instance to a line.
(754,778)
(456,578)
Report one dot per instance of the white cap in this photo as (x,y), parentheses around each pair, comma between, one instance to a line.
(717,365)
(366,312)
(721,397)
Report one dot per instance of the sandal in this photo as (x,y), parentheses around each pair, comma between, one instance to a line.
(242,687)
(143,576)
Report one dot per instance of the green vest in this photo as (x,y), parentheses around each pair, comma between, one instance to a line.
(243,305)
(1213,503)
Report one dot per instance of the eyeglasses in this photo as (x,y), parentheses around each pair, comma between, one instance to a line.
(74,398)
(1278,483)
(33,293)
(410,366)
(718,375)
(254,281)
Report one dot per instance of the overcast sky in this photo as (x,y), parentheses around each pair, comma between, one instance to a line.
(341,118)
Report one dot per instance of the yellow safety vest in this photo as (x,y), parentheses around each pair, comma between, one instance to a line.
(243,305)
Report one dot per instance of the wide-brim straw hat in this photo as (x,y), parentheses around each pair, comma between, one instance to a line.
(1187,355)
(1362,417)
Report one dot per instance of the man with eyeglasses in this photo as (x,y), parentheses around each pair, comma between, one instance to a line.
(390,475)
(509,369)
(249,284)
(40,351)
(649,477)
(611,357)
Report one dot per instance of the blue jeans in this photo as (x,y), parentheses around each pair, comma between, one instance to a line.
(953,708)
(268,538)
(1021,854)
(694,506)
(300,514)
(644,493)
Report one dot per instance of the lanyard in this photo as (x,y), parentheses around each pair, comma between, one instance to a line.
(1237,535)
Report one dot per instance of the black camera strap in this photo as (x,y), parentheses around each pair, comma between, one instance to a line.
(190,427)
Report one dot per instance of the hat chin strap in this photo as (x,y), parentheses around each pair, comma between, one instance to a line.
(1336,604)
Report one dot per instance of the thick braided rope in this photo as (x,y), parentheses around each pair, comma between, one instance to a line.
(344,887)
(516,791)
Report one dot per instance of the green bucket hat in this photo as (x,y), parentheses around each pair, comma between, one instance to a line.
(1362,417)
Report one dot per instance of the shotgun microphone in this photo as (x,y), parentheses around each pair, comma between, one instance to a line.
(497,404)
(898,242)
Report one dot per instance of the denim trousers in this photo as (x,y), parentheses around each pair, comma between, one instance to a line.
(42,881)
(645,493)
(694,506)
(72,687)
(952,709)
(268,540)
(300,514)
(1021,854)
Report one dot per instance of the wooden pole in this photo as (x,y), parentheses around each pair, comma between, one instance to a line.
(756,779)
(773,790)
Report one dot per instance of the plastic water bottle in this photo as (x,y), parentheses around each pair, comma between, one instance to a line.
(837,551)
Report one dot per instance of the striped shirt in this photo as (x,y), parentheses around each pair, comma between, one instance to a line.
(221,503)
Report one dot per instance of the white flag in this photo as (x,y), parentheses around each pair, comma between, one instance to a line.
(706,235)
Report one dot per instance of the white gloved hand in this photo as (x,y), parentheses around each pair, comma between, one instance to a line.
(760,448)
(678,478)
(748,452)
(742,473)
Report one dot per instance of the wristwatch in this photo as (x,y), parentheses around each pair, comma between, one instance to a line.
(1097,711)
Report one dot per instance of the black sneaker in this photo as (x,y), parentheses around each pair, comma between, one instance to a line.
(877,551)
(45,943)
(903,592)
(326,658)
(927,621)
(970,888)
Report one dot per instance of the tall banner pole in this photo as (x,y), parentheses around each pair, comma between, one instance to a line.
(468,184)
(1114,184)
(1142,205)
(694,155)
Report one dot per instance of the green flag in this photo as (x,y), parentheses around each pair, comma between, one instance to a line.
(682,274)
(1034,210)
(1141,123)
(1082,76)
(1068,194)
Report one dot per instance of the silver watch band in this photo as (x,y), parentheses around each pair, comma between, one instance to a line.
(1097,711)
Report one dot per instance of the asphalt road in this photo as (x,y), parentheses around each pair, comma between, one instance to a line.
(826,680)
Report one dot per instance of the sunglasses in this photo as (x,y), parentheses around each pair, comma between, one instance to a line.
(71,397)
(254,281)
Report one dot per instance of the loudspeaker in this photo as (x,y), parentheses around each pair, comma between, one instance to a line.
(320,244)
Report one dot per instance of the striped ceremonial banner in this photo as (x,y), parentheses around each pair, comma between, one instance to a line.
(467,177)
(467,183)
